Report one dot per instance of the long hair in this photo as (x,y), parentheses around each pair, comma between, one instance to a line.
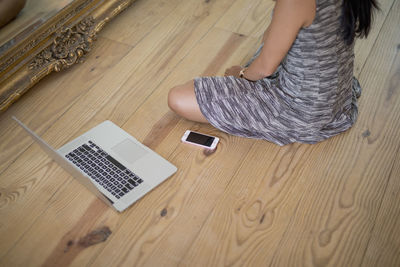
(357,18)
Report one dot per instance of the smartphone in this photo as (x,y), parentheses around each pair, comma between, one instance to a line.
(198,139)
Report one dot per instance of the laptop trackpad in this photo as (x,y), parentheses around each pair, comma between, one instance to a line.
(129,150)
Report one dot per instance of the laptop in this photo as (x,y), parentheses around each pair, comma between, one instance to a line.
(110,163)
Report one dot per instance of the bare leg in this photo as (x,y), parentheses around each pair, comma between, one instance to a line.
(182,100)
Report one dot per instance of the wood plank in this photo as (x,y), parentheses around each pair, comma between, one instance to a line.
(249,220)
(44,104)
(149,9)
(139,20)
(333,223)
(250,203)
(53,132)
(225,37)
(26,190)
(322,216)
(149,73)
(165,239)
(247,18)
(363,47)
(384,246)
(79,116)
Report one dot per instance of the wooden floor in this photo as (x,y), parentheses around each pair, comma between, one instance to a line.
(251,203)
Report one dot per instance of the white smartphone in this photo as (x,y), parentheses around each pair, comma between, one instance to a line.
(202,140)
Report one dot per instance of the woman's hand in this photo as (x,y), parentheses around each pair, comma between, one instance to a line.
(233,71)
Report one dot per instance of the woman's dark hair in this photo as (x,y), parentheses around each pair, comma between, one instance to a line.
(357,18)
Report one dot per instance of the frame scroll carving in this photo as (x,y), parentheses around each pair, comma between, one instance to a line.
(69,46)
(61,42)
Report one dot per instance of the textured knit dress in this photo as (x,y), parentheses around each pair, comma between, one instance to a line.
(311,97)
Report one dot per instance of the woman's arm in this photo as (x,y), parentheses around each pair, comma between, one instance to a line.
(288,18)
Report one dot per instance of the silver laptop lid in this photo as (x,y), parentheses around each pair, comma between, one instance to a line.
(65,164)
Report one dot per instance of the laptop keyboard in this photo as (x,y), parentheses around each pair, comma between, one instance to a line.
(104,169)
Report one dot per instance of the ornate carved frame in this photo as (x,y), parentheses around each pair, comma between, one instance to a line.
(59,43)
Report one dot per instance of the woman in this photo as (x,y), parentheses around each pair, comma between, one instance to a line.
(300,88)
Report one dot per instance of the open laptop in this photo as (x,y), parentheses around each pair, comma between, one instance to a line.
(110,163)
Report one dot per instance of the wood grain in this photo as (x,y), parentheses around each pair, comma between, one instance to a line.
(363,46)
(251,203)
(53,98)
(353,186)
(384,244)
(247,18)
(24,167)
(136,22)
(143,237)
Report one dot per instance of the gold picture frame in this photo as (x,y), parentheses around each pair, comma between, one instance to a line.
(59,43)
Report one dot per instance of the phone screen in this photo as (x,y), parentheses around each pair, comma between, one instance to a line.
(201,139)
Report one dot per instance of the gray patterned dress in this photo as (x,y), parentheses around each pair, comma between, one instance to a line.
(312,96)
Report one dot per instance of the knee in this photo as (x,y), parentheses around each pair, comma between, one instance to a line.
(174,99)
(180,98)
